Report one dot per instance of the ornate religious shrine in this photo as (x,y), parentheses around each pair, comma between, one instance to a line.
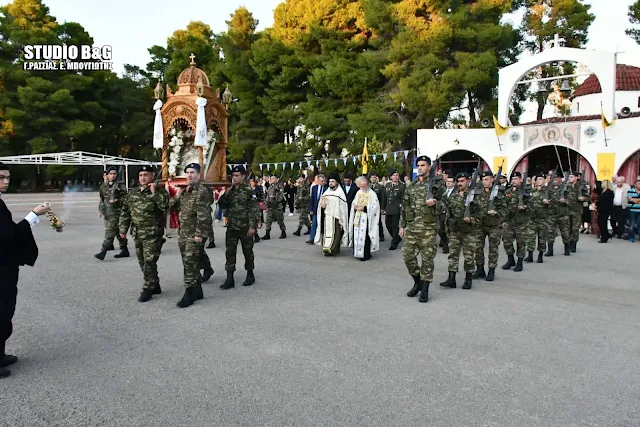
(191,127)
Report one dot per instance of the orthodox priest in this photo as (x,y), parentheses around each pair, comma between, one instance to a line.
(333,217)
(364,234)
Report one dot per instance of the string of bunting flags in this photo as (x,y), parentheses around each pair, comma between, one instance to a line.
(354,159)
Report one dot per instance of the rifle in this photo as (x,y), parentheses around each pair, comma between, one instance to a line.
(523,186)
(431,179)
(581,184)
(495,188)
(563,187)
(472,186)
(546,190)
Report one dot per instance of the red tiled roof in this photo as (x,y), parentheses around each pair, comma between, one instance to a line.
(627,78)
(575,119)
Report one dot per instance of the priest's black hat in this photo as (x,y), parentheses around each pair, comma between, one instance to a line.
(334,175)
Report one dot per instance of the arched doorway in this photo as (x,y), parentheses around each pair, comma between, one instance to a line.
(461,161)
(630,168)
(549,157)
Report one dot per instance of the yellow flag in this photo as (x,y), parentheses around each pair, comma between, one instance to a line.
(365,158)
(605,123)
(500,130)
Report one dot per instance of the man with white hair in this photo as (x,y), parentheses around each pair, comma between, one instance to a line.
(364,218)
(333,218)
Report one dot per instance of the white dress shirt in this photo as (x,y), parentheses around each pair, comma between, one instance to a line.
(617,199)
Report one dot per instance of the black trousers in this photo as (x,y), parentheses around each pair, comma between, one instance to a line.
(603,218)
(393,225)
(380,228)
(8,295)
(618,218)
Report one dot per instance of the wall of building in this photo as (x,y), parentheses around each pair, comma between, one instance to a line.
(605,150)
(592,104)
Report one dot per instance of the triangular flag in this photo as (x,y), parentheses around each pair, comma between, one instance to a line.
(300,165)
(317,163)
(308,163)
(354,160)
(384,157)
(500,130)
(260,166)
(373,156)
(268,166)
(335,162)
(344,160)
(406,154)
(245,166)
(395,155)
(276,166)
(326,162)
(284,165)
(291,164)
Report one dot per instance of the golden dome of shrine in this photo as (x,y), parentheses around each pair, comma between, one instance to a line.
(192,74)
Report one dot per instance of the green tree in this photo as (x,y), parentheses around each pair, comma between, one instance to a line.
(634,18)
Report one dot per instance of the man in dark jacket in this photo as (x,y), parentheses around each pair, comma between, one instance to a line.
(17,248)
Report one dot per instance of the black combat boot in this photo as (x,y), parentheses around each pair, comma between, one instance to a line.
(417,286)
(529,257)
(467,281)
(549,249)
(394,243)
(424,292)
(540,259)
(111,247)
(511,262)
(445,248)
(567,249)
(267,235)
(256,238)
(197,292)
(156,289)
(479,273)
(308,232)
(574,247)
(250,280)
(491,274)
(211,245)
(283,235)
(208,272)
(145,295)
(450,282)
(187,299)
(101,255)
(124,253)
(297,232)
(519,265)
(230,282)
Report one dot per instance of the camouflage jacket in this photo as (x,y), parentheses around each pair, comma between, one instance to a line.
(515,215)
(275,195)
(499,206)
(396,195)
(194,205)
(241,204)
(144,211)
(574,192)
(558,208)
(537,208)
(416,214)
(456,208)
(302,196)
(111,192)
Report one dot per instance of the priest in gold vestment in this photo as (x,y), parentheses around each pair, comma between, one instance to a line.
(333,217)
(364,234)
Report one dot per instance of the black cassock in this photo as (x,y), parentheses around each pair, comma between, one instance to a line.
(17,248)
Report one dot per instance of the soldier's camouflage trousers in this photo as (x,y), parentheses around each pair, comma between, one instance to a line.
(560,223)
(112,231)
(231,242)
(518,233)
(494,234)
(303,220)
(465,242)
(421,242)
(274,214)
(538,228)
(575,221)
(192,259)
(148,251)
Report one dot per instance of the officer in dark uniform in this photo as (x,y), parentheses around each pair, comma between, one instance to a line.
(395,193)
(381,192)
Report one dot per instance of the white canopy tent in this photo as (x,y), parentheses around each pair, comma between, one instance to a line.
(77,158)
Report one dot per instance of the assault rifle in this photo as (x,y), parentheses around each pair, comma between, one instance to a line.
(546,190)
(495,188)
(563,187)
(431,180)
(522,189)
(472,186)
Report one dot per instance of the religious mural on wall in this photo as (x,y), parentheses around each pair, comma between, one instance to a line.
(566,134)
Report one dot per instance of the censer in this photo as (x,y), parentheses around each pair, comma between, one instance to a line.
(55,222)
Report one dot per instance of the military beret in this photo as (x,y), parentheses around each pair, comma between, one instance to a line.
(516,175)
(446,172)
(111,168)
(239,168)
(393,171)
(576,174)
(147,168)
(486,173)
(541,175)
(423,159)
(462,175)
(194,166)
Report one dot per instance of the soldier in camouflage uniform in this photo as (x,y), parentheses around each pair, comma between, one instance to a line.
(241,204)
(381,192)
(559,218)
(576,194)
(419,228)
(462,231)
(194,205)
(111,195)
(302,203)
(492,214)
(516,224)
(540,208)
(275,197)
(142,209)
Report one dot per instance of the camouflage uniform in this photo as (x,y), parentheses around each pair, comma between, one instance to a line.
(490,227)
(516,224)
(559,218)
(111,213)
(194,205)
(462,235)
(241,205)
(275,196)
(420,223)
(540,221)
(302,204)
(573,193)
(143,212)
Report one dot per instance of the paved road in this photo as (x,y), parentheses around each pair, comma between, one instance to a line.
(318,342)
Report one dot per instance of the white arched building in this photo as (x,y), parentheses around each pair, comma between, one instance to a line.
(613,91)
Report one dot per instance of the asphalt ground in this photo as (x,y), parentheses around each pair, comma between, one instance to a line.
(318,341)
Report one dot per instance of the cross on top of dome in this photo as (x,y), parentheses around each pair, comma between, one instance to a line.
(193,62)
